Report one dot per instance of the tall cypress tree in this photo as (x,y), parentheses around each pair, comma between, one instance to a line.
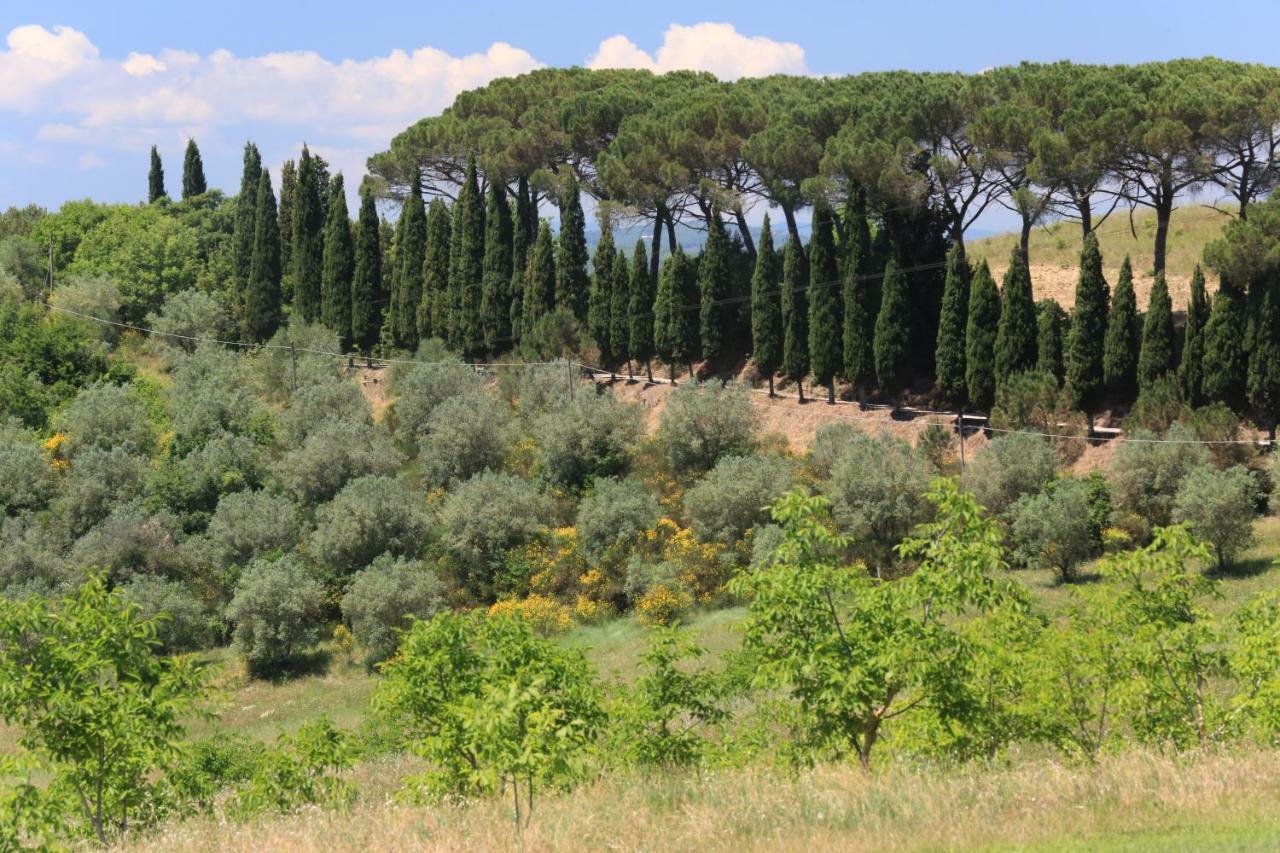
(540,286)
(949,359)
(366,280)
(980,338)
(471,262)
(339,266)
(524,229)
(893,331)
(1264,355)
(1051,323)
(571,254)
(1191,369)
(665,330)
(245,225)
(640,310)
(620,310)
(308,240)
(495,299)
(861,299)
(261,315)
(453,320)
(411,252)
(1086,342)
(1226,359)
(432,307)
(1156,357)
(795,314)
(684,314)
(826,325)
(193,182)
(1016,335)
(600,303)
(715,280)
(1124,335)
(766,306)
(155,178)
(288,193)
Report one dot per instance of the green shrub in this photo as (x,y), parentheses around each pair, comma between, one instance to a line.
(189,314)
(277,611)
(97,482)
(701,425)
(106,416)
(333,455)
(876,492)
(369,517)
(252,524)
(591,436)
(1055,528)
(554,335)
(192,485)
(31,560)
(131,541)
(29,481)
(319,403)
(535,389)
(211,395)
(484,517)
(302,770)
(829,443)
(425,386)
(735,496)
(613,512)
(464,435)
(1219,425)
(1008,468)
(182,624)
(1219,507)
(94,295)
(280,371)
(1146,475)
(1158,407)
(385,598)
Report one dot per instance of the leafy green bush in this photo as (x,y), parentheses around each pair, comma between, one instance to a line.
(735,496)
(484,517)
(1054,529)
(1219,507)
(829,443)
(279,370)
(1158,407)
(425,386)
(369,517)
(1146,475)
(252,524)
(385,598)
(336,453)
(106,416)
(876,492)
(302,770)
(1008,468)
(182,624)
(131,541)
(95,296)
(211,395)
(590,436)
(31,557)
(1032,401)
(613,512)
(277,611)
(701,425)
(319,403)
(192,485)
(189,314)
(97,482)
(29,481)
(535,389)
(556,334)
(464,435)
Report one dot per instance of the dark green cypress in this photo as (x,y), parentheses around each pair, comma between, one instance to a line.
(861,301)
(1264,355)
(453,320)
(826,325)
(339,266)
(665,328)
(262,296)
(892,331)
(1156,358)
(366,281)
(411,252)
(600,302)
(540,286)
(308,240)
(715,280)
(1124,335)
(620,310)
(1226,359)
(288,193)
(795,314)
(1051,323)
(766,306)
(524,228)
(949,359)
(1191,369)
(471,263)
(640,309)
(193,182)
(1086,343)
(571,254)
(1016,335)
(495,299)
(980,339)
(245,226)
(155,178)
(432,306)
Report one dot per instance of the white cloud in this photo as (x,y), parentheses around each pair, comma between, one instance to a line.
(37,58)
(718,48)
(141,64)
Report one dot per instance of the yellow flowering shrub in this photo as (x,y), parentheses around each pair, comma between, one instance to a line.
(705,567)
(55,447)
(589,610)
(545,614)
(663,604)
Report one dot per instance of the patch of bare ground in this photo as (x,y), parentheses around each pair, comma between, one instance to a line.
(373,384)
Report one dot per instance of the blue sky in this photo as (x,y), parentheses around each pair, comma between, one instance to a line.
(86,87)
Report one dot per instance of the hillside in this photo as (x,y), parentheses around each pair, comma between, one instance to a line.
(1055,252)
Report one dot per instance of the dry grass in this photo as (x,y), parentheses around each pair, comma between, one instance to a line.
(1137,801)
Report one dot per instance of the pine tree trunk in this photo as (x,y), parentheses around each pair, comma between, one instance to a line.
(1024,240)
(655,250)
(747,239)
(792,228)
(771,394)
(831,393)
(1164,211)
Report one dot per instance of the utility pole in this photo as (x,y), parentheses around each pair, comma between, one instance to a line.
(960,425)
(568,364)
(293,359)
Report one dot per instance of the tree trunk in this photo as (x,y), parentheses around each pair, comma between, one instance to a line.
(831,392)
(656,249)
(792,229)
(747,239)
(771,394)
(800,389)
(648,369)
(1164,212)
(671,232)
(1024,241)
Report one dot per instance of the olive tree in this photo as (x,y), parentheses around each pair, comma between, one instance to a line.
(188,315)
(29,481)
(876,491)
(425,386)
(484,517)
(1054,528)
(614,511)
(1011,466)
(1219,507)
(463,436)
(384,599)
(277,610)
(181,620)
(590,436)
(700,425)
(252,524)
(735,496)
(105,416)
(333,455)
(1146,474)
(315,405)
(369,517)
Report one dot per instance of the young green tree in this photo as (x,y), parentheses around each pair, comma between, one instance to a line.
(1156,358)
(949,359)
(600,300)
(571,254)
(715,317)
(1218,507)
(366,279)
(262,297)
(433,309)
(892,331)
(1191,368)
(640,320)
(410,255)
(980,338)
(245,225)
(1016,334)
(339,267)
(288,196)
(308,239)
(1051,322)
(1086,342)
(826,325)
(468,288)
(1226,359)
(88,694)
(1124,334)
(795,314)
(155,178)
(540,286)
(193,182)
(620,310)
(766,307)
(495,298)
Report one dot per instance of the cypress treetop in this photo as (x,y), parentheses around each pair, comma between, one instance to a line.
(339,266)
(540,286)
(1086,342)
(826,325)
(366,280)
(1191,369)
(471,262)
(795,312)
(155,178)
(245,224)
(766,306)
(411,253)
(640,337)
(666,299)
(950,354)
(1124,335)
(980,338)
(1051,323)
(1226,359)
(600,301)
(1156,358)
(715,317)
(432,308)
(193,182)
(620,310)
(308,239)
(288,192)
(495,298)
(571,254)
(261,315)
(1016,335)
(892,331)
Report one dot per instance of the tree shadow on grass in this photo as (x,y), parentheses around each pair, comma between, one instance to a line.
(313,663)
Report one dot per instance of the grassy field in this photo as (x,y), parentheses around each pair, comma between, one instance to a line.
(1055,252)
